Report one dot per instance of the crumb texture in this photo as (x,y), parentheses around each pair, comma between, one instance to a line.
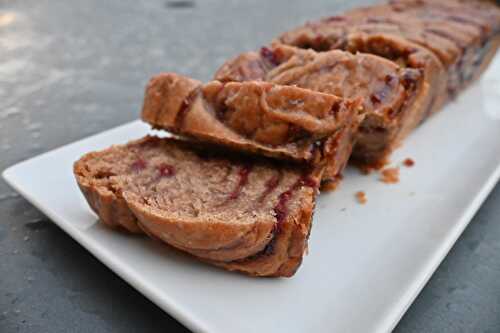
(215,206)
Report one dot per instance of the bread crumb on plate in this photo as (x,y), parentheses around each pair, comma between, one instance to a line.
(408,162)
(390,175)
(361,197)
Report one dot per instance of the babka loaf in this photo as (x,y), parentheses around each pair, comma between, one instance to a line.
(394,98)
(238,189)
(279,121)
(242,213)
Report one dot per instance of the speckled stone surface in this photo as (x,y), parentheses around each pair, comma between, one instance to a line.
(69,69)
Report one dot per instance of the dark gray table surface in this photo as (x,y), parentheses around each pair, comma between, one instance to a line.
(69,69)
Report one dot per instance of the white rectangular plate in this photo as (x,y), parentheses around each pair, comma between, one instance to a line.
(366,263)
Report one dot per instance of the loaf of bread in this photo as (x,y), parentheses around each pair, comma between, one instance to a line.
(236,188)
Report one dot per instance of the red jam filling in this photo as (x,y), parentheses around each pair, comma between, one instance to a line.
(166,170)
(139,165)
(281,208)
(271,184)
(269,55)
(243,175)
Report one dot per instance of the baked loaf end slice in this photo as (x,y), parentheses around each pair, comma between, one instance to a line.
(247,214)
(278,121)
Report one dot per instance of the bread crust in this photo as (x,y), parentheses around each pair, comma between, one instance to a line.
(211,240)
(109,205)
(289,246)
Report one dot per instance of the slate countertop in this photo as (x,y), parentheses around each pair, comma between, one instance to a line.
(69,69)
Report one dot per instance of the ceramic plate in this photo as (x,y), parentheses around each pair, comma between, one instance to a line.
(366,263)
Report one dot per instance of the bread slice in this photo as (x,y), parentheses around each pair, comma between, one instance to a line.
(239,212)
(279,121)
(391,95)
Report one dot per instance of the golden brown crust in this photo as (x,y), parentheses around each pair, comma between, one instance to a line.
(174,89)
(211,240)
(110,206)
